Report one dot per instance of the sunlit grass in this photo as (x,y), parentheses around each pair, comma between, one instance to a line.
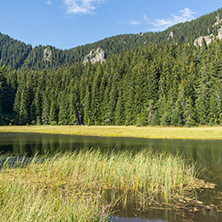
(203,132)
(86,185)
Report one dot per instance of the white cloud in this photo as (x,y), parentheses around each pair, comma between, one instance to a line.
(187,13)
(81,6)
(161,24)
(134,22)
(49,2)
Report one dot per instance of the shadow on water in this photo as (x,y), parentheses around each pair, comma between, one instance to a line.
(122,219)
(18,161)
(207,154)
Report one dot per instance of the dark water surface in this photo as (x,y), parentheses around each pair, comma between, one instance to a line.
(206,153)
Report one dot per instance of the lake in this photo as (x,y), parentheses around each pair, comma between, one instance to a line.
(206,153)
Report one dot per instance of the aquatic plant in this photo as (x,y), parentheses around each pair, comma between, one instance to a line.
(86,184)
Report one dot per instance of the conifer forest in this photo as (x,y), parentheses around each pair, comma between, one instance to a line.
(159,84)
(152,79)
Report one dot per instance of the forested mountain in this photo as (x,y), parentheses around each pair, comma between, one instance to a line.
(16,54)
(13,53)
(166,81)
(163,84)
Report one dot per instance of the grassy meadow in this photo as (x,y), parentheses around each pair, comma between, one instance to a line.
(87,184)
(203,132)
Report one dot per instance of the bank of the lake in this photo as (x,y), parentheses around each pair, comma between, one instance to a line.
(86,185)
(157,132)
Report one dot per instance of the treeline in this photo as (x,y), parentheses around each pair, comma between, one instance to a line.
(171,84)
(15,54)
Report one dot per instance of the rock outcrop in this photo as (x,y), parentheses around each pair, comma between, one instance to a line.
(47,54)
(171,35)
(210,37)
(94,56)
(208,40)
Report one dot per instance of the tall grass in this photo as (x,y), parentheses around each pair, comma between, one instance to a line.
(86,184)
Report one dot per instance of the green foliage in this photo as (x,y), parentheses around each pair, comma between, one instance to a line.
(45,111)
(53,123)
(157,84)
(128,89)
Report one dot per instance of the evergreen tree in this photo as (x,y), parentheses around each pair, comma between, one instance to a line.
(2,89)
(106,113)
(45,110)
(63,109)
(202,101)
(72,112)
(215,107)
(128,98)
(119,119)
(189,113)
(53,112)
(87,116)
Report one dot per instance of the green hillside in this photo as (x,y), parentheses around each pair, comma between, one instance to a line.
(147,79)
(16,54)
(163,84)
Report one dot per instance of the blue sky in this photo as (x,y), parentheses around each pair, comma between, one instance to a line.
(69,23)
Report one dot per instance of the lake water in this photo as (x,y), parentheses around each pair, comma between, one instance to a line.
(207,155)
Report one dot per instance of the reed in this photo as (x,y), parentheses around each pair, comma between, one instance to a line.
(85,185)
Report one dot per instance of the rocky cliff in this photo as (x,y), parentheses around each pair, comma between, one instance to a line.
(209,38)
(94,56)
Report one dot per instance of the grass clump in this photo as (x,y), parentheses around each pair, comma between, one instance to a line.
(85,185)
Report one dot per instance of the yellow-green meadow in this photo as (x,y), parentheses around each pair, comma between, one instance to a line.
(203,132)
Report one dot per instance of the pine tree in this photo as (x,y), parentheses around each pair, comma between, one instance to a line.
(87,113)
(95,98)
(128,98)
(178,110)
(147,114)
(112,103)
(106,112)
(202,101)
(38,105)
(2,89)
(53,113)
(72,112)
(139,96)
(63,109)
(215,107)
(23,108)
(45,110)
(189,113)
(119,111)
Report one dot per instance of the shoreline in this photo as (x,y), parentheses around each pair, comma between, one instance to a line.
(148,132)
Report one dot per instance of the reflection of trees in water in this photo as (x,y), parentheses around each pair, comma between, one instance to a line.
(131,214)
(206,154)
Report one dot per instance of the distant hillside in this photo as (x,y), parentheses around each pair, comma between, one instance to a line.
(13,53)
(16,54)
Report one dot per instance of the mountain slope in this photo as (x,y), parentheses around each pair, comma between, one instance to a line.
(16,54)
(13,53)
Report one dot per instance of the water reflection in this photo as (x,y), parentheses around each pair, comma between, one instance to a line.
(121,219)
(208,154)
